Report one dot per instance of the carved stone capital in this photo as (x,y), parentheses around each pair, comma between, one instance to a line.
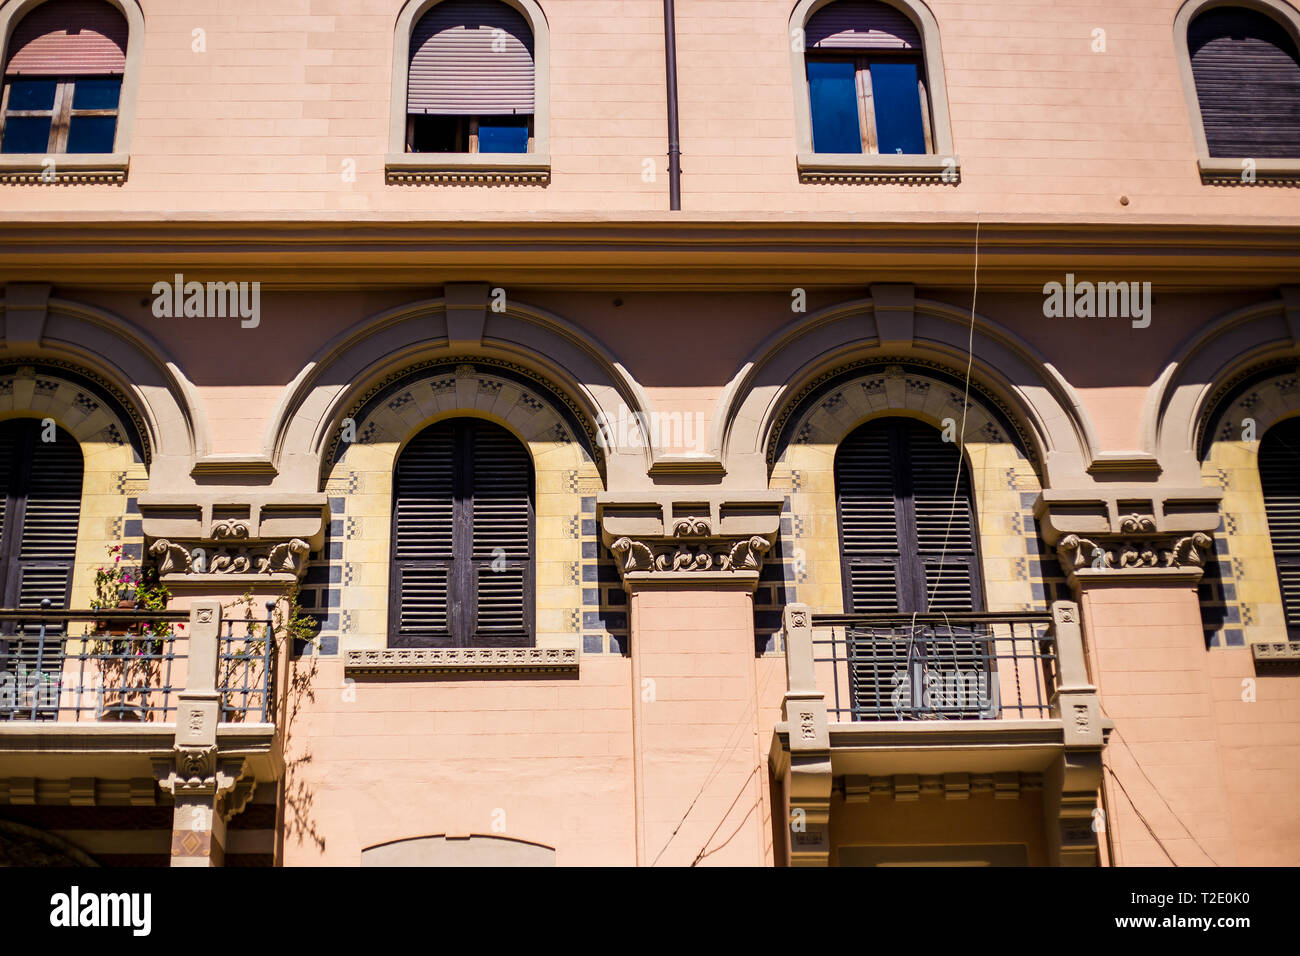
(201,773)
(744,554)
(1084,558)
(196,557)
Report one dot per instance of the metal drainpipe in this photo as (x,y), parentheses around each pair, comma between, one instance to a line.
(674,147)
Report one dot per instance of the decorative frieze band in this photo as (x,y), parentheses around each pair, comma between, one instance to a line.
(462,660)
(745,554)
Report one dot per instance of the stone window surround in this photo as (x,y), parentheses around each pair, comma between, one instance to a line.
(470,168)
(1220,170)
(869,168)
(29,168)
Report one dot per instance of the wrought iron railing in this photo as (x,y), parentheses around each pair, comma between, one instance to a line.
(955,666)
(124,665)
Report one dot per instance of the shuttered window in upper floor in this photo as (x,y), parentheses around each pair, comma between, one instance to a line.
(1279,475)
(462,571)
(63,72)
(471,82)
(1247,74)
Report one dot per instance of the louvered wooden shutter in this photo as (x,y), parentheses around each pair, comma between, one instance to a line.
(502,545)
(455,69)
(462,539)
(1247,74)
(38,532)
(1279,474)
(861,25)
(894,481)
(424,487)
(69,38)
(949,576)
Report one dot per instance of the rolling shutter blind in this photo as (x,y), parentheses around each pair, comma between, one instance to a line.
(1247,74)
(454,69)
(1279,474)
(861,25)
(69,38)
(38,533)
(462,539)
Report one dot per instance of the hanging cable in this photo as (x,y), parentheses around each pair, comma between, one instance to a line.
(965,402)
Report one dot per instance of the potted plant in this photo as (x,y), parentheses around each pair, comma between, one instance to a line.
(131,650)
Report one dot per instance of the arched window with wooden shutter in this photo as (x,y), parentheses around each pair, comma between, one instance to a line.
(462,570)
(1246,69)
(63,72)
(908,544)
(471,81)
(38,533)
(1279,476)
(867,80)
(906,521)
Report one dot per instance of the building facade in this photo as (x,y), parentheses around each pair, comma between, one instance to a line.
(555,432)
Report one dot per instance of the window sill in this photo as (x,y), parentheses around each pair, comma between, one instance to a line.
(855,168)
(31,168)
(1268,172)
(402,661)
(468,168)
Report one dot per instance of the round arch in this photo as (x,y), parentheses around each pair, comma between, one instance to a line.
(102,353)
(527,342)
(1030,393)
(1210,364)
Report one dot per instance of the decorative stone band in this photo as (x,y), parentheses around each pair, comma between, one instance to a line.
(462,660)
(1276,655)
(1004,785)
(286,557)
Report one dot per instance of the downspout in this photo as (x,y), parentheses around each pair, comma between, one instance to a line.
(674,147)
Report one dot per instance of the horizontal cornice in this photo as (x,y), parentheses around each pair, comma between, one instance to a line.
(133,252)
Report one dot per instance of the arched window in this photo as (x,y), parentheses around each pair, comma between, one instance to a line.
(39,518)
(869,80)
(1279,475)
(866,80)
(1247,72)
(471,79)
(462,570)
(63,72)
(907,524)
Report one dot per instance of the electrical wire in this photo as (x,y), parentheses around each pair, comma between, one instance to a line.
(965,403)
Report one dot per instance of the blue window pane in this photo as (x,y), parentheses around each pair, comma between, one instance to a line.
(833,97)
(31,94)
(91,134)
(897,102)
(26,134)
(504,135)
(96,94)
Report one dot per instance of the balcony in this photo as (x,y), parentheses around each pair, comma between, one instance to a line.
(101,706)
(900,705)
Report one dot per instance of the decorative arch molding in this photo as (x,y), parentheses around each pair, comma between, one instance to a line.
(1267,395)
(1218,169)
(1211,363)
(836,403)
(1006,371)
(88,407)
(941,166)
(21,845)
(70,167)
(531,342)
(101,350)
(445,850)
(395,410)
